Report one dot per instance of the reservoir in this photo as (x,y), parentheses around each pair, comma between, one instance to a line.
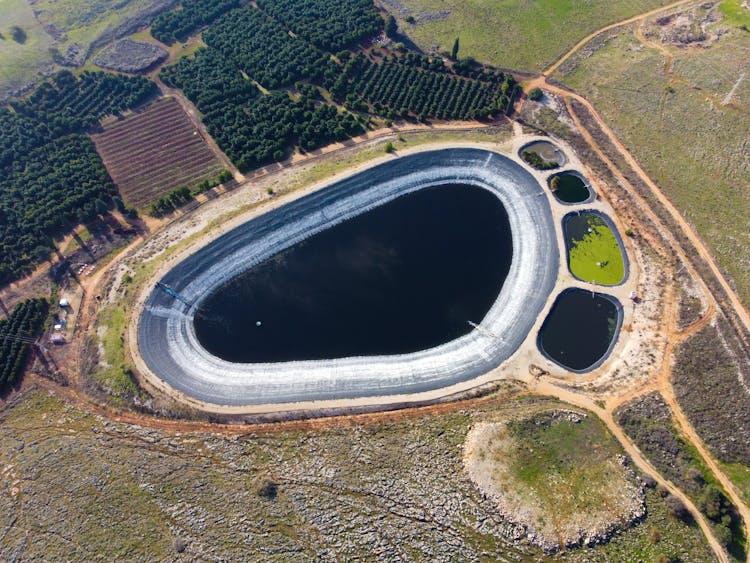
(580,329)
(406,276)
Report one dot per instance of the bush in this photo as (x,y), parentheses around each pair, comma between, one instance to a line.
(677,509)
(536,160)
(18,34)
(536,94)
(266,488)
(389,148)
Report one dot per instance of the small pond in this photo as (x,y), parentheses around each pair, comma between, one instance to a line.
(595,251)
(403,277)
(570,187)
(543,155)
(581,329)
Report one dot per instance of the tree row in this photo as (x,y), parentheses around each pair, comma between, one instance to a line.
(51,177)
(330,25)
(179,24)
(16,332)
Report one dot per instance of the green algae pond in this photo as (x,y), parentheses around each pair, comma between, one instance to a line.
(595,251)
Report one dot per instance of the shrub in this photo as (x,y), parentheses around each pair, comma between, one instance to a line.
(677,508)
(267,488)
(536,94)
(18,34)
(536,160)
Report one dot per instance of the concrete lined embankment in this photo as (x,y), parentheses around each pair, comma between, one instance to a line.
(171,351)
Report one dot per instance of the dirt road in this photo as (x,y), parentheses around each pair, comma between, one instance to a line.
(663,382)
(604,29)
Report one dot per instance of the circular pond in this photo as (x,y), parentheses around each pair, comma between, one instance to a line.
(171,350)
(594,248)
(581,329)
(570,187)
(542,155)
(404,277)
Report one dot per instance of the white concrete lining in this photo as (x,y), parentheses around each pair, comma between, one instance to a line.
(168,344)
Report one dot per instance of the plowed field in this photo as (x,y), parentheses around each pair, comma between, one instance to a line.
(151,153)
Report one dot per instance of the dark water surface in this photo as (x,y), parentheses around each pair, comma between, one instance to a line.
(579,329)
(571,188)
(404,277)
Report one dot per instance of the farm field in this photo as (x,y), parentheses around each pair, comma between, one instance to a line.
(681,124)
(154,152)
(514,34)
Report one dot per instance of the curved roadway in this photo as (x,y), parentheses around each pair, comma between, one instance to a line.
(167,340)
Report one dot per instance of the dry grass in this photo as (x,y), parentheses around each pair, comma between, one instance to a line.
(511,34)
(94,489)
(695,148)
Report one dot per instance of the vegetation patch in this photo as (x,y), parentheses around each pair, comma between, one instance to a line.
(179,24)
(536,160)
(710,149)
(51,178)
(735,12)
(709,377)
(154,152)
(331,492)
(263,90)
(328,24)
(648,421)
(514,34)
(423,87)
(558,473)
(594,253)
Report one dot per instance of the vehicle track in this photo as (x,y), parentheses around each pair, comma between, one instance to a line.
(662,382)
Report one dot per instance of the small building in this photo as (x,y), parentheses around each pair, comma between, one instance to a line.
(57,339)
(64,303)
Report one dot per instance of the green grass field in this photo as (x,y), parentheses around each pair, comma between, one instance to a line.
(21,63)
(597,257)
(77,22)
(513,34)
(576,454)
(679,129)
(740,476)
(734,13)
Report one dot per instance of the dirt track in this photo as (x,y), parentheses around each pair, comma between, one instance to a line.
(663,382)
(660,382)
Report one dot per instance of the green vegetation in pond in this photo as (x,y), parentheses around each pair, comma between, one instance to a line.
(594,253)
(537,161)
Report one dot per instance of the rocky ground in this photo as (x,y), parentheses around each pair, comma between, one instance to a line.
(568,495)
(131,56)
(75,486)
